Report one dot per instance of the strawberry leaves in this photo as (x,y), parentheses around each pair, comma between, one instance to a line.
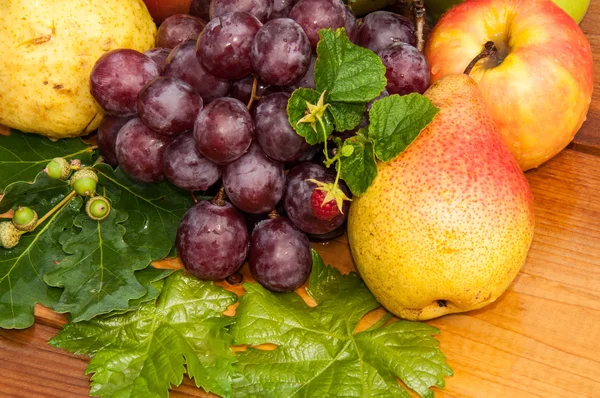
(348,78)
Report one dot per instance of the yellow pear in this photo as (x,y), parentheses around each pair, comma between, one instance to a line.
(446,226)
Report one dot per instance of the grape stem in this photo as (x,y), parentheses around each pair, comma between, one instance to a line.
(59,206)
(489,50)
(273,214)
(419,10)
(253,93)
(219,199)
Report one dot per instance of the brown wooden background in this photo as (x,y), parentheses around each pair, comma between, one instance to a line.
(540,339)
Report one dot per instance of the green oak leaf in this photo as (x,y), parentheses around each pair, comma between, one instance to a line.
(319,355)
(396,121)
(23,267)
(41,195)
(347,116)
(142,353)
(23,156)
(297,109)
(345,71)
(161,205)
(98,272)
(359,168)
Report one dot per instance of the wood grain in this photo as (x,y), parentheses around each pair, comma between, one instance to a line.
(540,339)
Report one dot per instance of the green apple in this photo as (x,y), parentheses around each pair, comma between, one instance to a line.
(575,8)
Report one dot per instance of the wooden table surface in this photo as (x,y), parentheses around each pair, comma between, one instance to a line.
(540,339)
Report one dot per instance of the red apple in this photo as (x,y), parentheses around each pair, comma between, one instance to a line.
(539,85)
(162,9)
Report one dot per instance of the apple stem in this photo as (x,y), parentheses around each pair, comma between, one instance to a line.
(489,49)
(419,10)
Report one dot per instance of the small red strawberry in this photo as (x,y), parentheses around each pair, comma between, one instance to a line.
(326,200)
(321,209)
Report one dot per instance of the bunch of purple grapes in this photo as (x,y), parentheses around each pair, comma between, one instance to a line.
(206,110)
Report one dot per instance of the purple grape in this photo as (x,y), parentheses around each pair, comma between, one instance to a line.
(225,45)
(140,151)
(351,25)
(280,257)
(297,199)
(159,55)
(223,130)
(186,168)
(106,138)
(282,8)
(314,15)
(281,52)
(169,105)
(307,81)
(406,69)
(273,131)
(261,9)
(117,78)
(178,29)
(242,89)
(254,183)
(380,29)
(200,8)
(212,240)
(183,64)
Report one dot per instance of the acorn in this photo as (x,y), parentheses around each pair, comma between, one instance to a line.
(9,235)
(25,219)
(58,168)
(97,208)
(84,182)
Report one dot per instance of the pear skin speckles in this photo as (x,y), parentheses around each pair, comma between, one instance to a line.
(446,226)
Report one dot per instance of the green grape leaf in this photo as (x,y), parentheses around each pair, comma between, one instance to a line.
(23,156)
(23,267)
(359,168)
(297,109)
(142,353)
(98,272)
(319,355)
(347,116)
(160,205)
(396,121)
(345,71)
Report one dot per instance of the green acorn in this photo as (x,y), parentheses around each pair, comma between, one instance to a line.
(84,181)
(9,235)
(25,219)
(97,208)
(58,168)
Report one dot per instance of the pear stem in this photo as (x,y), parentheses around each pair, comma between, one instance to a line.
(489,49)
(419,10)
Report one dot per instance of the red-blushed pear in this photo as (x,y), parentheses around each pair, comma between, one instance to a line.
(538,85)
(446,225)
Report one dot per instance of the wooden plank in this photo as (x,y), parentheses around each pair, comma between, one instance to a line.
(540,339)
(588,138)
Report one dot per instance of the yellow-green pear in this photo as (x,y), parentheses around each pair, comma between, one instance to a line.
(446,226)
